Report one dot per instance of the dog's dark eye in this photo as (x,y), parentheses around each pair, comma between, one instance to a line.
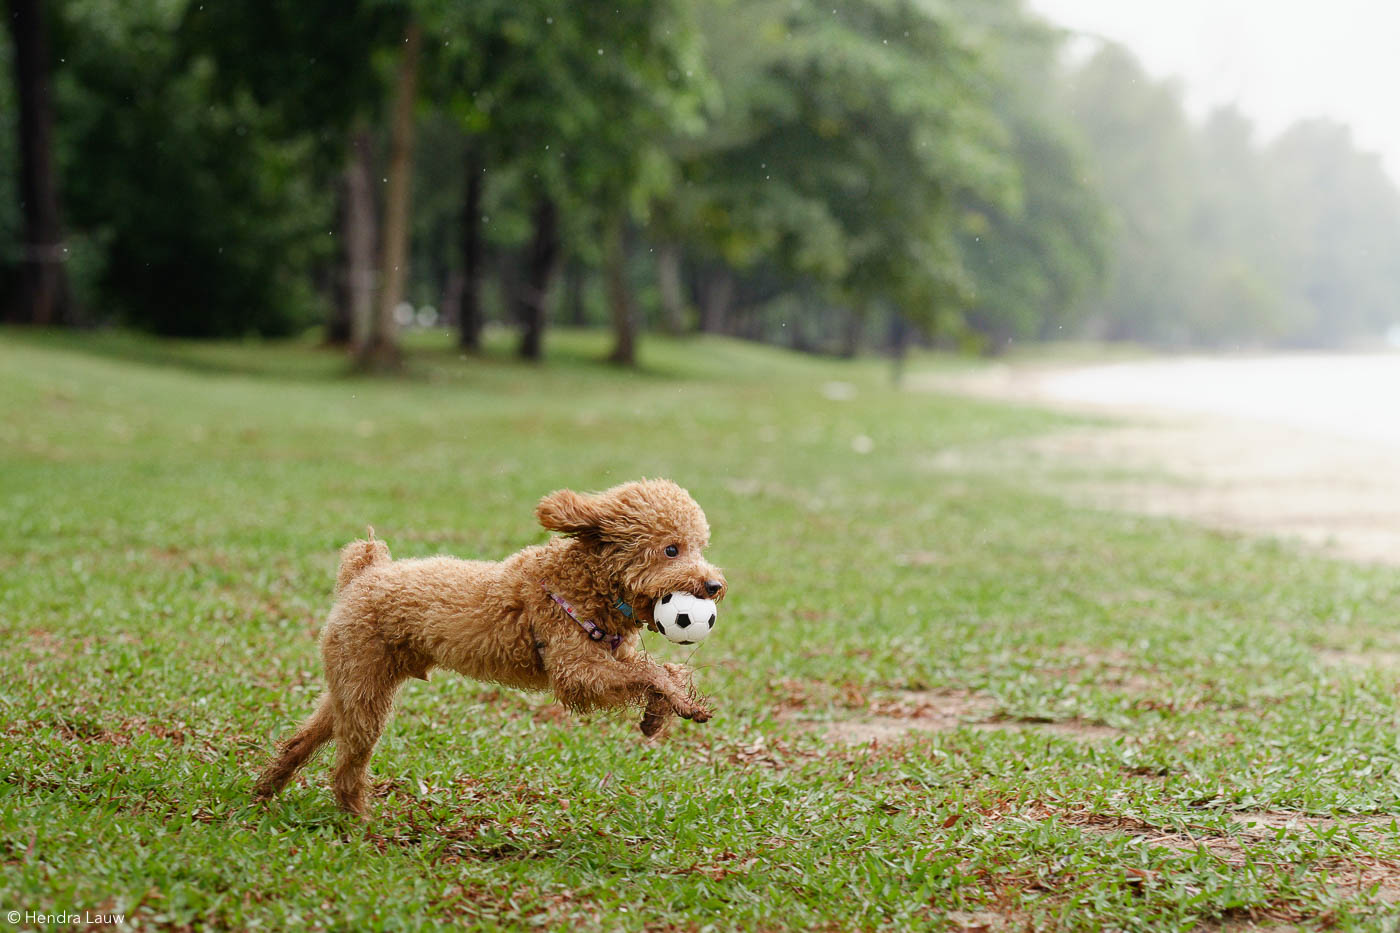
(672,550)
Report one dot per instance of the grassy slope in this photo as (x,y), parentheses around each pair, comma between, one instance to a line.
(167,544)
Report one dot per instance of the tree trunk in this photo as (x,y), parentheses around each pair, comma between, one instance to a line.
(44,299)
(797,331)
(360,234)
(899,346)
(672,288)
(850,337)
(620,298)
(510,280)
(338,322)
(719,292)
(469,318)
(574,283)
(340,330)
(541,263)
(451,301)
(381,351)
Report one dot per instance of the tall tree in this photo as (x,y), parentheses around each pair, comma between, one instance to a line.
(469,311)
(839,150)
(359,231)
(200,214)
(1031,261)
(1221,241)
(620,304)
(1144,162)
(541,264)
(1243,237)
(1346,209)
(310,65)
(44,296)
(671,286)
(381,349)
(576,98)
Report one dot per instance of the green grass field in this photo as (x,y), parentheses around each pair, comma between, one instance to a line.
(1140,724)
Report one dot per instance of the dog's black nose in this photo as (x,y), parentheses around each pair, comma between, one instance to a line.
(713,587)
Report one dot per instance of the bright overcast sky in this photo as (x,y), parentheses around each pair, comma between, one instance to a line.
(1279,60)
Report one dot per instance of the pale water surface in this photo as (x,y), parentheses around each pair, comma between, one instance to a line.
(1356,396)
(1303,446)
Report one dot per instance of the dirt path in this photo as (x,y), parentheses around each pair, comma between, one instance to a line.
(1300,446)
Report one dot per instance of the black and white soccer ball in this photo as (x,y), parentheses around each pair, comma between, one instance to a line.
(685,619)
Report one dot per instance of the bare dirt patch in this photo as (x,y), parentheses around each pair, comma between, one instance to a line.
(1142,832)
(1252,827)
(889,720)
(1375,659)
(1353,876)
(1368,879)
(985,921)
(1265,822)
(43,645)
(119,733)
(894,718)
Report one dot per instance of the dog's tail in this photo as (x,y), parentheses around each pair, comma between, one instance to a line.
(294,752)
(357,556)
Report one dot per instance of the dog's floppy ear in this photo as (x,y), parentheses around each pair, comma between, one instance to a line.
(566,511)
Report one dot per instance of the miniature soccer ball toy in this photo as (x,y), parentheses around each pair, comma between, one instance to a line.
(684,619)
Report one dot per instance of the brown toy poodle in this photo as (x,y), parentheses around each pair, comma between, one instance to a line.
(564,616)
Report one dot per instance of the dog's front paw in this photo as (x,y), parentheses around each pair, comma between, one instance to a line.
(695,712)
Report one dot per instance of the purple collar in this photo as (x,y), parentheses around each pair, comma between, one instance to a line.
(594,632)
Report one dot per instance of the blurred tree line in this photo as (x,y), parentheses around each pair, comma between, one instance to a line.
(823,176)
(1217,239)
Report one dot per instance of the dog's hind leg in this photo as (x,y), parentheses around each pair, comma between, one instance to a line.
(362,708)
(295,752)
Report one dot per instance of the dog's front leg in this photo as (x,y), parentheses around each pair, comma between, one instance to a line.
(587,677)
(659,712)
(657,717)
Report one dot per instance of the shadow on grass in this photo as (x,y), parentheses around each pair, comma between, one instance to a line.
(299,359)
(432,356)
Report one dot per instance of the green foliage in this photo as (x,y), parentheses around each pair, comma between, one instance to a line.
(930,159)
(1143,163)
(1221,241)
(1345,217)
(207,223)
(1240,229)
(574,97)
(309,64)
(839,147)
(1034,261)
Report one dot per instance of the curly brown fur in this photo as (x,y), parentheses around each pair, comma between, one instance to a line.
(494,621)
(658,715)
